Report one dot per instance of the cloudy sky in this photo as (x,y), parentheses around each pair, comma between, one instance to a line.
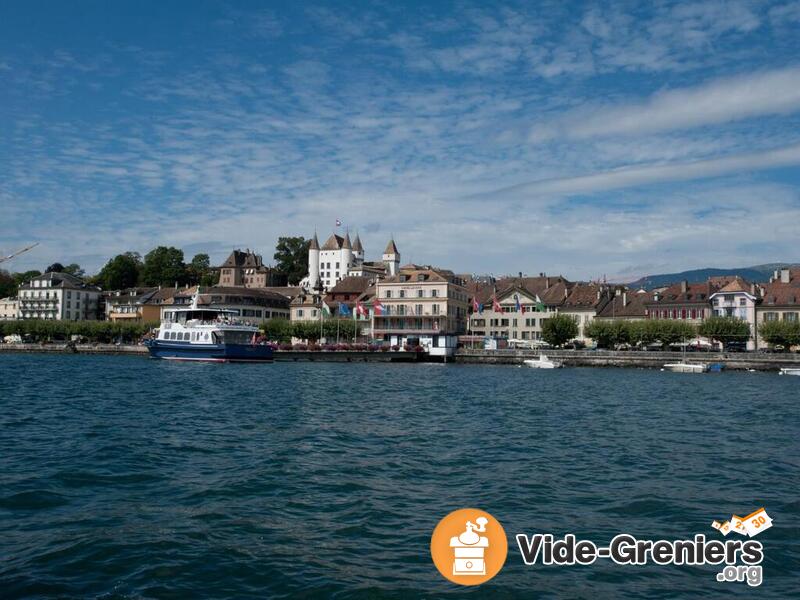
(587,139)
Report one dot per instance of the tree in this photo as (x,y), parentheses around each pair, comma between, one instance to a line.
(725,329)
(8,285)
(780,333)
(120,272)
(608,334)
(164,266)
(278,330)
(21,278)
(56,267)
(559,329)
(74,269)
(291,258)
(199,270)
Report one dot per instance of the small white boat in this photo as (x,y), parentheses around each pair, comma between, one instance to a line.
(543,363)
(790,371)
(684,367)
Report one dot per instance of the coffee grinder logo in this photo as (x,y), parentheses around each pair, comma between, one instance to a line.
(469,546)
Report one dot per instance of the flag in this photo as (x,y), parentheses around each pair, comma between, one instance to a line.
(326,310)
(338,223)
(253,340)
(496,305)
(361,310)
(344,310)
(475,306)
(480,309)
(517,304)
(540,306)
(377,306)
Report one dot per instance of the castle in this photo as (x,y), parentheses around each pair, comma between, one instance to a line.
(339,257)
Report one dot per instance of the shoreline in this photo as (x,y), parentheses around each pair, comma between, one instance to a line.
(571,358)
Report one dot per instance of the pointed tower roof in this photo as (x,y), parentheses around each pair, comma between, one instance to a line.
(357,247)
(391,248)
(314,245)
(346,245)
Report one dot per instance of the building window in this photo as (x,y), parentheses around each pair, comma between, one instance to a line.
(402,293)
(434,293)
(420,293)
(299,312)
(770,316)
(388,293)
(790,316)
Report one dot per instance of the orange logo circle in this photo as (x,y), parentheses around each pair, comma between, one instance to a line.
(469,546)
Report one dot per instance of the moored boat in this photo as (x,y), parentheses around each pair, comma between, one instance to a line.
(684,367)
(543,363)
(207,334)
(790,371)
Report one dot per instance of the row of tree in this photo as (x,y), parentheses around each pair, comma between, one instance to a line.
(164,266)
(283,330)
(46,330)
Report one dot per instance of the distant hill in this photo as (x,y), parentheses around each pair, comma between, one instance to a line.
(754,274)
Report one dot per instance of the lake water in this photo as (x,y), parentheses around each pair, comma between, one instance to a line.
(124,477)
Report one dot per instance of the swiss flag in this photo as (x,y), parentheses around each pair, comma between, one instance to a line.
(361,310)
(376,304)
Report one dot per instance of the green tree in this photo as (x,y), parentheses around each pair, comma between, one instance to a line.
(21,278)
(780,333)
(199,270)
(559,329)
(8,285)
(725,329)
(122,271)
(278,330)
(164,266)
(74,269)
(56,267)
(291,258)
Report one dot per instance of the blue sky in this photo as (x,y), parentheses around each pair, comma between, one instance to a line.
(588,139)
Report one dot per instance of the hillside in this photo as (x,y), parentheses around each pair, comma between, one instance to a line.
(754,274)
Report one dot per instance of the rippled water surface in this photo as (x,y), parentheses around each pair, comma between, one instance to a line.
(125,477)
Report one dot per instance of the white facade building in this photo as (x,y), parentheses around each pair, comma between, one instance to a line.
(9,308)
(339,257)
(58,296)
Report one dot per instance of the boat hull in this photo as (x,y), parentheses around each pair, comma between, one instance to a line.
(790,371)
(686,368)
(209,352)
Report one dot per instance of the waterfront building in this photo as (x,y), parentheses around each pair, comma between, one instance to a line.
(58,296)
(9,309)
(738,299)
(684,301)
(626,305)
(338,258)
(305,307)
(248,303)
(421,306)
(524,302)
(584,303)
(136,305)
(247,269)
(348,291)
(780,298)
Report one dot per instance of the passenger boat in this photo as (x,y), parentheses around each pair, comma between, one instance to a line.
(543,363)
(790,371)
(207,334)
(684,367)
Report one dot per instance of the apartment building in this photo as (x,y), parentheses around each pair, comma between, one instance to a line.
(421,306)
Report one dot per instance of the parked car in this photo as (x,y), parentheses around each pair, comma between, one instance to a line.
(736,347)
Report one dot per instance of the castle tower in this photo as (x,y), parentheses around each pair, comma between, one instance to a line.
(347,252)
(358,249)
(313,262)
(391,256)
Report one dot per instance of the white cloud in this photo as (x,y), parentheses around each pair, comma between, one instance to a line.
(627,177)
(719,101)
